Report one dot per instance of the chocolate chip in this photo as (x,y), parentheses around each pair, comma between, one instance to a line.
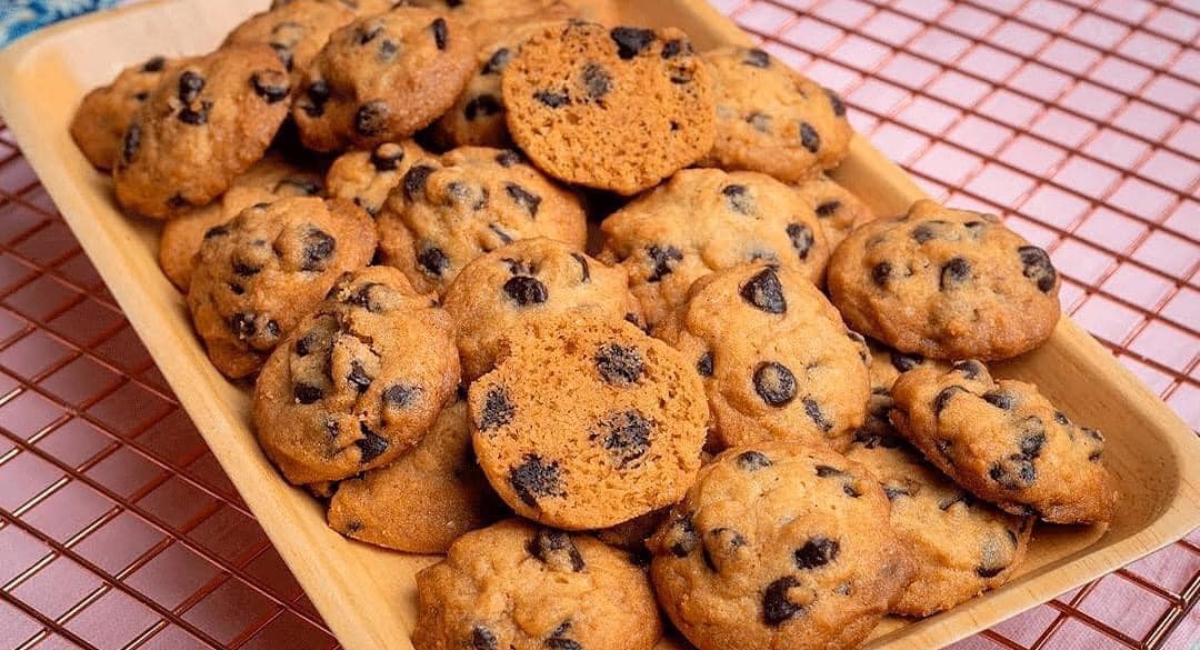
(816,553)
(505,238)
(809,138)
(625,435)
(154,64)
(880,273)
(682,536)
(765,292)
(508,158)
(483,105)
(527,200)
(387,50)
(190,85)
(583,264)
(619,365)
(558,638)
(1014,473)
(367,35)
(1000,399)
(307,393)
(319,246)
(923,233)
(271,86)
(317,95)
(1033,436)
(400,396)
(839,109)
(776,608)
(905,362)
(440,34)
(1036,266)
(631,41)
(813,410)
(483,639)
(371,118)
(828,209)
(1061,418)
(525,290)
(802,239)
(970,369)
(497,61)
(371,445)
(760,121)
(433,261)
(675,47)
(387,157)
(498,410)
(940,402)
(536,479)
(964,498)
(192,117)
(989,572)
(131,142)
(955,273)
(753,460)
(216,231)
(467,194)
(597,81)
(358,377)
(556,548)
(757,58)
(894,492)
(738,198)
(552,99)
(245,270)
(415,179)
(662,257)
(243,326)
(774,383)
(141,96)
(704,365)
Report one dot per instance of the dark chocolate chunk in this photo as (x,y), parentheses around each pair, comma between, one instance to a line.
(552,99)
(809,138)
(190,86)
(441,35)
(483,639)
(955,274)
(358,377)
(527,200)
(387,157)
(400,396)
(586,273)
(739,198)
(319,246)
(1001,399)
(619,365)
(1036,266)
(775,383)
(828,209)
(597,81)
(753,460)
(631,41)
(943,398)
(816,553)
(555,546)
(497,62)
(536,479)
(757,58)
(880,273)
(484,105)
(433,261)
(154,64)
(802,239)
(371,118)
(271,86)
(625,435)
(776,608)
(839,108)
(662,258)
(904,362)
(498,410)
(131,142)
(765,292)
(525,290)
(307,393)
(371,445)
(813,410)
(704,365)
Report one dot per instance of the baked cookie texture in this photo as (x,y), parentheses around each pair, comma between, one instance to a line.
(359,382)
(382,78)
(838,210)
(517,586)
(946,284)
(587,423)
(617,108)
(367,177)
(208,120)
(296,30)
(705,220)
(99,125)
(425,499)
(257,276)
(1006,443)
(451,209)
(779,545)
(526,281)
(776,360)
(772,119)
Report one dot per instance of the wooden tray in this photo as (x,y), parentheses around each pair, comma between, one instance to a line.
(367,595)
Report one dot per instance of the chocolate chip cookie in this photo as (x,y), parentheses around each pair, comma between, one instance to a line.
(704,220)
(451,209)
(425,499)
(360,380)
(382,78)
(106,112)
(529,280)
(366,177)
(296,31)
(772,119)
(259,274)
(520,587)
(205,123)
(587,423)
(1006,443)
(946,284)
(779,545)
(838,210)
(616,108)
(776,360)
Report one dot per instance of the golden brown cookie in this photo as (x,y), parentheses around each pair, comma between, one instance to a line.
(838,210)
(296,31)
(366,177)
(106,112)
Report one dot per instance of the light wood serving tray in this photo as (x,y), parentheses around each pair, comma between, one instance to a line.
(367,595)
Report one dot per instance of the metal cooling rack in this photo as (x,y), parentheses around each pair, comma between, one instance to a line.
(118,530)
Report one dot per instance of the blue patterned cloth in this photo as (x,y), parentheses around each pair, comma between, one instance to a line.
(19,17)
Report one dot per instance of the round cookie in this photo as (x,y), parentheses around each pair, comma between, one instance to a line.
(296,31)
(270,179)
(776,360)
(106,112)
(772,119)
(616,109)
(382,78)
(945,284)
(779,545)
(704,220)
(527,281)
(205,123)
(451,209)
(1005,442)
(838,210)
(366,177)
(515,586)
(259,274)
(587,423)
(424,500)
(359,381)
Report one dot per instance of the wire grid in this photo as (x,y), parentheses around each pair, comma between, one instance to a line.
(119,530)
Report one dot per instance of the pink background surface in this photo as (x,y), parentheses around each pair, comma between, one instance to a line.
(1076,120)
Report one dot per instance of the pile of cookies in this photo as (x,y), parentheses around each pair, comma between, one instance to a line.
(741,401)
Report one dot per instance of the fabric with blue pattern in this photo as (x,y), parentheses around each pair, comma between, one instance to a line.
(19,17)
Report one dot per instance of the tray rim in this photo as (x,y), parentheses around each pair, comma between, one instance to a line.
(1180,516)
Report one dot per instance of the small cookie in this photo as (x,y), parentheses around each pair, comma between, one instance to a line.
(296,31)
(616,109)
(772,119)
(106,112)
(451,209)
(777,362)
(962,546)
(838,210)
(1005,442)
(526,281)
(360,380)
(259,274)
(587,423)
(366,177)
(945,284)
(209,120)
(704,220)
(382,78)
(423,501)
(515,586)
(779,545)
